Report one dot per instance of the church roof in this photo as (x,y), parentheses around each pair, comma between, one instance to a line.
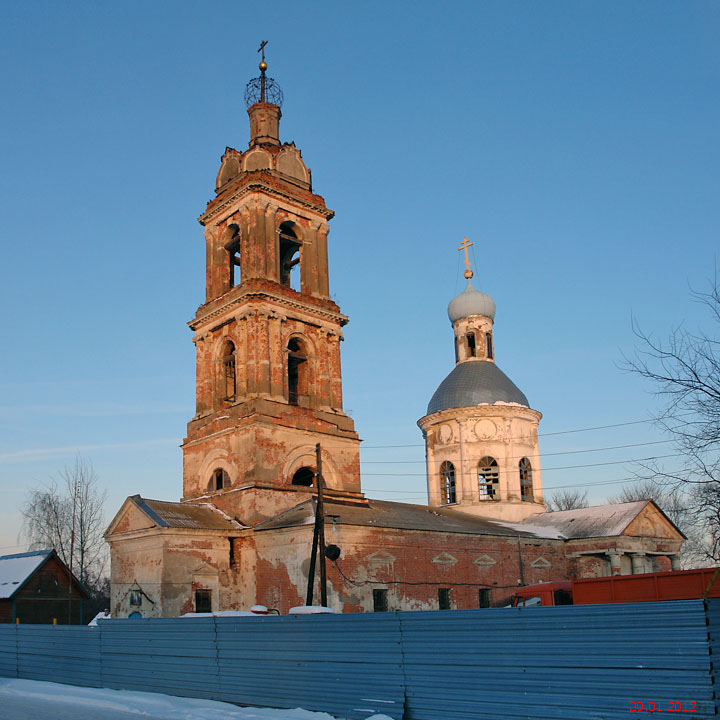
(184,515)
(599,521)
(398,516)
(593,522)
(475,382)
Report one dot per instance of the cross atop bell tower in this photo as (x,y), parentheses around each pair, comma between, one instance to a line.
(268,381)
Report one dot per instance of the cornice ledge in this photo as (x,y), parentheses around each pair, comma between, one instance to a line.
(200,320)
(255,187)
(502,410)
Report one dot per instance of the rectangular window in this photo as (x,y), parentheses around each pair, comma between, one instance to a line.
(444,598)
(484,598)
(203,601)
(232,551)
(380,600)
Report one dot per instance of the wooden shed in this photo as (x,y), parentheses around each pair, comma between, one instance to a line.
(38,588)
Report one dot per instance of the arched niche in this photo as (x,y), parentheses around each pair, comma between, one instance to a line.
(258,160)
(289,163)
(229,169)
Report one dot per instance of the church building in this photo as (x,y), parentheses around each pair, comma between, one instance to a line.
(269,391)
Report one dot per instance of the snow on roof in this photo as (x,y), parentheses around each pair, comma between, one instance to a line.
(311,610)
(541,531)
(16,569)
(224,613)
(598,521)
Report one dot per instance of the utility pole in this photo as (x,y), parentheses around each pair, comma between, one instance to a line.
(321,526)
(318,542)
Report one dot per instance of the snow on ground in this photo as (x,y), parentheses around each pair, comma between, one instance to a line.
(35,700)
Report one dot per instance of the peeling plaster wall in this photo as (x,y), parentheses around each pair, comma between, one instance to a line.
(136,563)
(270,567)
(168,566)
(463,436)
(412,565)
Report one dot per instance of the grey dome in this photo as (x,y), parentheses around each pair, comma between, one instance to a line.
(475,382)
(471,302)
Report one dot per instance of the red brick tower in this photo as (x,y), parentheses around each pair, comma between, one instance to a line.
(268,336)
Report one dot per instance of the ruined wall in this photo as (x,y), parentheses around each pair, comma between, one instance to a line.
(271,567)
(623,555)
(265,454)
(411,565)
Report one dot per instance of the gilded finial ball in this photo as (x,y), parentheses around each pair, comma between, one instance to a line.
(468,274)
(263,66)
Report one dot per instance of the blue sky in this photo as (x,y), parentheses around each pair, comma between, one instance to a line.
(575,143)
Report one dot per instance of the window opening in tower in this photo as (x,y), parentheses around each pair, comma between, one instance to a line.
(220,479)
(228,364)
(304,476)
(488,477)
(289,258)
(447,483)
(526,486)
(472,351)
(489,344)
(297,372)
(232,246)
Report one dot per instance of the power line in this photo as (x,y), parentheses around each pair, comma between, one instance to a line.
(562,467)
(598,483)
(562,452)
(545,434)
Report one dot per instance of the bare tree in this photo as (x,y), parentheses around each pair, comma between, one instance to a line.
(67,515)
(671,500)
(567,500)
(685,370)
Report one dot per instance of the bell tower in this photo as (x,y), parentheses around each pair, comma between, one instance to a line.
(267,337)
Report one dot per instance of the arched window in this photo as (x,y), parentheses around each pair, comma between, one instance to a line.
(489,345)
(289,257)
(232,245)
(227,379)
(219,480)
(447,483)
(304,476)
(526,487)
(470,340)
(297,371)
(488,477)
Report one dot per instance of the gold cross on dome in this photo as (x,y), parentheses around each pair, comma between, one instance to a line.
(465,245)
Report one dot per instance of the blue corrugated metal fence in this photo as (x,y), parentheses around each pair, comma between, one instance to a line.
(596,662)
